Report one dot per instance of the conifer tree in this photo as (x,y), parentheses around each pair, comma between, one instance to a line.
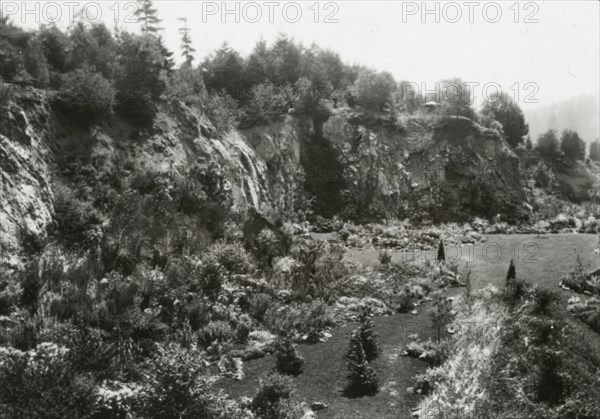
(168,62)
(148,17)
(186,42)
(368,337)
(289,360)
(441,254)
(361,377)
(512,273)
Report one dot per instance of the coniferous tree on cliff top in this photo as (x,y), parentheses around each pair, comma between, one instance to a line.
(148,17)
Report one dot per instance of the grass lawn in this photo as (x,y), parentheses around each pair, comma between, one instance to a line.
(538,260)
(542,260)
(323,378)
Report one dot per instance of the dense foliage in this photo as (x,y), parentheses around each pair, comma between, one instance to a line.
(595,151)
(572,145)
(502,108)
(548,144)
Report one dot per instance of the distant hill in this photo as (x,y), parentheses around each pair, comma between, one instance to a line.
(580,113)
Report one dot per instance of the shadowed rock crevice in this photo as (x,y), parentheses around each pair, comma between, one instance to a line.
(323,174)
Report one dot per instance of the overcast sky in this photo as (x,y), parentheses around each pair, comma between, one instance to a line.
(559,52)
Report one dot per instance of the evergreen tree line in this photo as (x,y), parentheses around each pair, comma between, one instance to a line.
(96,70)
(569,145)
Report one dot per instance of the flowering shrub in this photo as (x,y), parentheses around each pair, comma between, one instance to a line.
(232,256)
(42,383)
(179,387)
(117,400)
(276,398)
(216,332)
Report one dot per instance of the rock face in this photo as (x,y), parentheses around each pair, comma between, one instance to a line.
(353,165)
(25,194)
(439,170)
(262,165)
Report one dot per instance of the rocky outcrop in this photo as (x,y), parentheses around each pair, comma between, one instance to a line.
(25,194)
(261,165)
(440,170)
(352,164)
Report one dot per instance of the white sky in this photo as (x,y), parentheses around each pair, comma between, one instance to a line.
(560,53)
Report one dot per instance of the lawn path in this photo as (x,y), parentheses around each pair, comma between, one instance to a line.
(540,261)
(324,371)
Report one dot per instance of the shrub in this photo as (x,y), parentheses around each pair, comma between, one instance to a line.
(268,247)
(258,304)
(178,387)
(267,103)
(368,337)
(275,398)
(515,291)
(289,360)
(87,94)
(212,276)
(385,257)
(362,379)
(31,285)
(42,383)
(317,318)
(433,353)
(89,350)
(187,84)
(580,281)
(441,315)
(544,300)
(587,310)
(243,328)
(117,400)
(232,256)
(403,300)
(75,221)
(319,271)
(223,112)
(467,280)
(10,294)
(216,332)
